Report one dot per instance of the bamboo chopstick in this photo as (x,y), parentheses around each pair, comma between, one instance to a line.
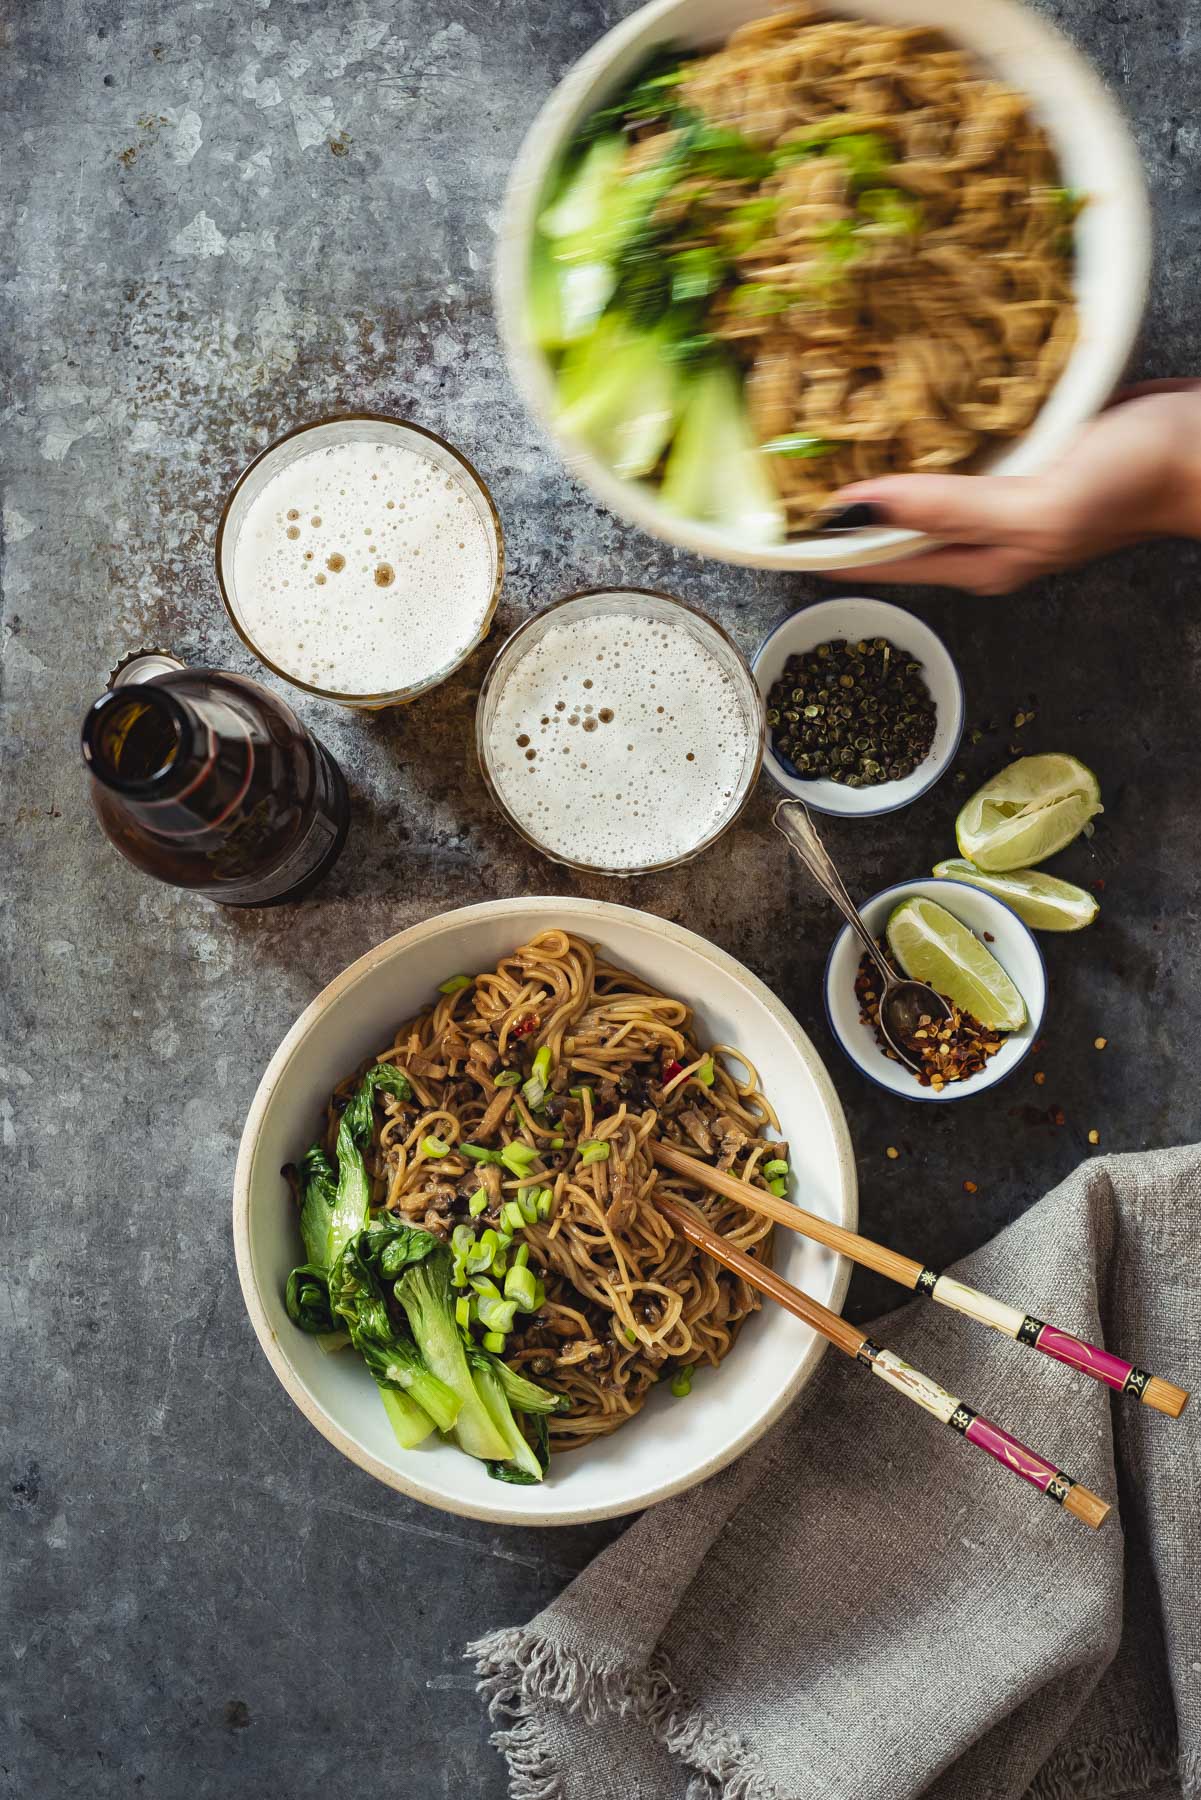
(1024,1328)
(926,1393)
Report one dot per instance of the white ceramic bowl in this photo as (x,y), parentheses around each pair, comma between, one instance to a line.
(862,618)
(1096,153)
(672,1443)
(1015,948)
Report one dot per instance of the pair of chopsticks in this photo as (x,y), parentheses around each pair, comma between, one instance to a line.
(1124,1377)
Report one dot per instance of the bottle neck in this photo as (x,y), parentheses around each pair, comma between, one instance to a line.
(181,766)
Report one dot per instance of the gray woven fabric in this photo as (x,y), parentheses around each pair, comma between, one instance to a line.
(865,1607)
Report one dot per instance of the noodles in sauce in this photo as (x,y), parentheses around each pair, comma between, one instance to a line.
(626,1300)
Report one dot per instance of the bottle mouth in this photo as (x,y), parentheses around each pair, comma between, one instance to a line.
(136,740)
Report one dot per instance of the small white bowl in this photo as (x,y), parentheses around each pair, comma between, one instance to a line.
(856,618)
(1096,152)
(1015,948)
(671,1444)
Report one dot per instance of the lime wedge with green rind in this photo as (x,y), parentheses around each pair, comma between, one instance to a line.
(1043,901)
(1027,812)
(933,946)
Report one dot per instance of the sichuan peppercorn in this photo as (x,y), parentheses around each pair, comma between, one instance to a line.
(854,712)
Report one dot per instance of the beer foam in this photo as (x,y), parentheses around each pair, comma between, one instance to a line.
(363,568)
(619,741)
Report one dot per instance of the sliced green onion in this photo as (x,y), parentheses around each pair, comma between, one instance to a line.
(546,1203)
(512,1217)
(631,1337)
(485,1287)
(779,1187)
(477,1153)
(521,1256)
(462,1238)
(454,984)
(463,1313)
(521,1288)
(557,1143)
(777,1166)
(435,1146)
(540,1295)
(580,1093)
(480,1256)
(508,1078)
(497,1315)
(594,1151)
(528,1203)
(458,1273)
(518,1156)
(797,444)
(499,1264)
(534,1090)
(494,1341)
(478,1203)
(681,1382)
(706,1073)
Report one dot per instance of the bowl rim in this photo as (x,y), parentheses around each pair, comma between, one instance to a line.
(543,142)
(394,696)
(754,697)
(938,766)
(960,1091)
(277,1070)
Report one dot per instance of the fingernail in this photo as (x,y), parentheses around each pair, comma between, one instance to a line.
(853,517)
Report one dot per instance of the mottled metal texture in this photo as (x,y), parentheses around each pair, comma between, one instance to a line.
(225,217)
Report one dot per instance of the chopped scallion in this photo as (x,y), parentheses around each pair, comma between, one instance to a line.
(779,1187)
(511,1216)
(521,1256)
(580,1093)
(462,1238)
(494,1341)
(521,1288)
(706,1073)
(477,1153)
(777,1166)
(454,985)
(534,1090)
(596,1150)
(508,1078)
(546,1203)
(681,1381)
(518,1156)
(435,1146)
(463,1313)
(478,1203)
(631,1337)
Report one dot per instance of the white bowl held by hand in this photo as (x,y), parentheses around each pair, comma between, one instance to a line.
(1012,943)
(1095,152)
(855,618)
(672,1443)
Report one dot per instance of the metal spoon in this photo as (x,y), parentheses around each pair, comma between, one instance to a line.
(902,1002)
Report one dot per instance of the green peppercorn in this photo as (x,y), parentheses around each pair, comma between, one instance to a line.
(857,713)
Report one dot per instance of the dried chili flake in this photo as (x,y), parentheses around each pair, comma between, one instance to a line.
(525,1025)
(969,1187)
(670,1070)
(953,1050)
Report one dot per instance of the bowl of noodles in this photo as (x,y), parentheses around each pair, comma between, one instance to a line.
(748,257)
(532,1051)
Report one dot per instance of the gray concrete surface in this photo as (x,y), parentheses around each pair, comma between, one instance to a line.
(222,219)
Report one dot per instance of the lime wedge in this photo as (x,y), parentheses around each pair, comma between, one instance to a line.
(1043,901)
(933,946)
(1027,812)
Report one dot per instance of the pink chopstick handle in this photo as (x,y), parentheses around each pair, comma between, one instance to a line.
(1102,1365)
(1016,1456)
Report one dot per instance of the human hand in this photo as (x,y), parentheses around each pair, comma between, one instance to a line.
(1132,473)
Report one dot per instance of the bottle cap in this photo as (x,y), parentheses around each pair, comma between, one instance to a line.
(143,665)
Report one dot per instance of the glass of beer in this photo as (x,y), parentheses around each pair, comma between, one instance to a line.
(361,559)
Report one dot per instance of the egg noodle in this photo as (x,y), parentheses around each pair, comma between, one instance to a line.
(626,1300)
(905,315)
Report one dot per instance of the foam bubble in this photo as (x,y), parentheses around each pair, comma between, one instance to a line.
(643,796)
(383,625)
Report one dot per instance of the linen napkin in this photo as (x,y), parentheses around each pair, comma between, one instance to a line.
(864,1607)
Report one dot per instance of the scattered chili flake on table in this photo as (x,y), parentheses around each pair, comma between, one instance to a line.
(946,1050)
(969,1187)
(1039,1077)
(1094,1137)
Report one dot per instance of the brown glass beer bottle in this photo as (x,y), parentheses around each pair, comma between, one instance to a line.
(210,782)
